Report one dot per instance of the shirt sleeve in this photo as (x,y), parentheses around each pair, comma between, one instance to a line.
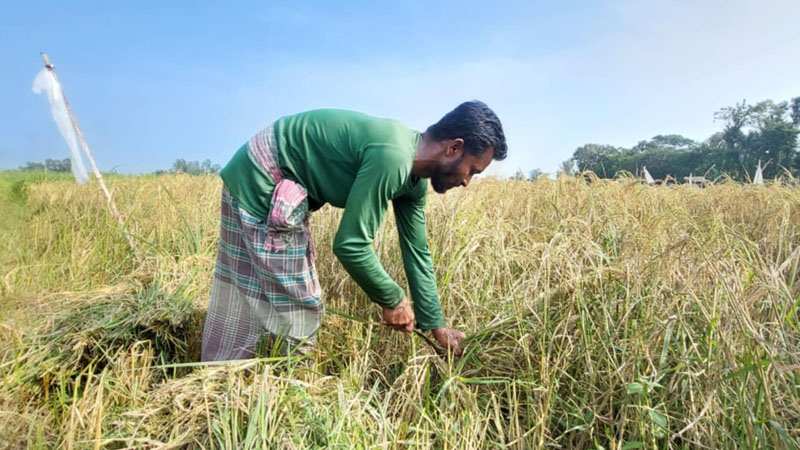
(382,172)
(410,217)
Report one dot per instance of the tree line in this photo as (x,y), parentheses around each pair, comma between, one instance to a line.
(192,167)
(49,165)
(180,165)
(766,131)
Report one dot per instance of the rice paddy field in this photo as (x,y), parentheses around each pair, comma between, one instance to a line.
(601,314)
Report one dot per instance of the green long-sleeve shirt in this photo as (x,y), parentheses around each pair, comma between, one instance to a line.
(359,163)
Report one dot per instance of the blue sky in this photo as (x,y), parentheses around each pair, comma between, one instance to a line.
(154,81)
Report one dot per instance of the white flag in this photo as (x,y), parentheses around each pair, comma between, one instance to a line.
(647,176)
(44,81)
(759,178)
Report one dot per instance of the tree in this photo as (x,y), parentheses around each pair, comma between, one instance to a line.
(674,142)
(180,165)
(765,131)
(208,168)
(775,139)
(58,165)
(49,165)
(195,167)
(567,167)
(595,157)
(795,114)
(519,175)
(534,174)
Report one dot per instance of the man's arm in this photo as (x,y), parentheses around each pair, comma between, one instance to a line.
(410,217)
(409,214)
(380,175)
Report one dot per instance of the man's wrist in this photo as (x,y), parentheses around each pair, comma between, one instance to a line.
(391,304)
(432,327)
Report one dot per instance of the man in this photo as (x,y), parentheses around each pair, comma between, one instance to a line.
(265,280)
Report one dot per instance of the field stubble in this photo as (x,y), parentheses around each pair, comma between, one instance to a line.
(603,314)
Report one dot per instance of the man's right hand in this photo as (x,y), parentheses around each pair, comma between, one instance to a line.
(401,317)
(450,338)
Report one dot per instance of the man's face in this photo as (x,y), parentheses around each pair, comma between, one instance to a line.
(457,170)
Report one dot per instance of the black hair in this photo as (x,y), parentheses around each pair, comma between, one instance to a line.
(476,124)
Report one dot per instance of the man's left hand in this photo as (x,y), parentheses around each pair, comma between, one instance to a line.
(401,317)
(449,338)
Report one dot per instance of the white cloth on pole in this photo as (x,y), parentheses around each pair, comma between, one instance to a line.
(759,178)
(647,176)
(45,81)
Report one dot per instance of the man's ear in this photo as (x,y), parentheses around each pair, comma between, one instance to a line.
(455,147)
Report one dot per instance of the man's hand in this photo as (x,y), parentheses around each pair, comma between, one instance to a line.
(401,317)
(449,338)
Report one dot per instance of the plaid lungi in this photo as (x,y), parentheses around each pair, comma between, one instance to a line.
(265,280)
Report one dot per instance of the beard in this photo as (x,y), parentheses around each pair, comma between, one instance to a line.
(439,179)
(438,183)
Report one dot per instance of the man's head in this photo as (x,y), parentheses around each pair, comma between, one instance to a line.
(466,140)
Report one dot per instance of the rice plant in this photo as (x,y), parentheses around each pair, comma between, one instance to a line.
(600,314)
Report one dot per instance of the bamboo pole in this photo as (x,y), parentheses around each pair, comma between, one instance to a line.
(109,199)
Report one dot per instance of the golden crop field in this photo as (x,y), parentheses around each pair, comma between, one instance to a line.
(600,314)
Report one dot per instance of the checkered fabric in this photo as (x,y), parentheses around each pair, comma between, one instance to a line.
(265,279)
